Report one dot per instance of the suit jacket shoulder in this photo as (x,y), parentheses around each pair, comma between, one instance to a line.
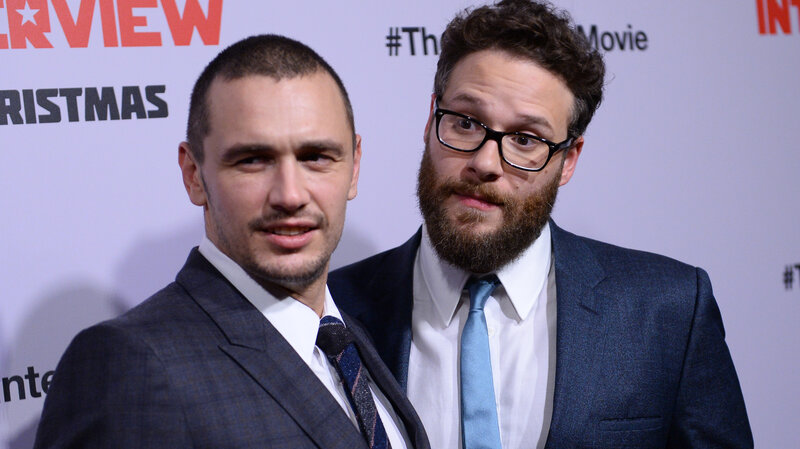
(195,365)
(656,279)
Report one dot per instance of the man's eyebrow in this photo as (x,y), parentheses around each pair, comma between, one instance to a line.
(520,121)
(467,98)
(239,150)
(322,145)
(541,122)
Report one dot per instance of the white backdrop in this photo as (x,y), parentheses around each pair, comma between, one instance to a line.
(693,154)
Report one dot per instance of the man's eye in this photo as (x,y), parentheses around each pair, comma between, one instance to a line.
(316,158)
(251,160)
(522,140)
(465,124)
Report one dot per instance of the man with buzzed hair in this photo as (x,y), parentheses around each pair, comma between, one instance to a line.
(506,330)
(246,349)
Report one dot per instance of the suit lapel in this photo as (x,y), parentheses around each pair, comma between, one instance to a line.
(579,330)
(382,303)
(387,384)
(260,350)
(292,384)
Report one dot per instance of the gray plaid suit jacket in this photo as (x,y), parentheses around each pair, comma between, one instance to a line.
(196,365)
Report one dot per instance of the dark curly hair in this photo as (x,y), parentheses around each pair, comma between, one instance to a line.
(533,30)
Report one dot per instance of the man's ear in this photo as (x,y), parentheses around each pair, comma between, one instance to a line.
(571,161)
(356,168)
(192,178)
(430,120)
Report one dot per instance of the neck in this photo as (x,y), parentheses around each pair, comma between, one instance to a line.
(311,295)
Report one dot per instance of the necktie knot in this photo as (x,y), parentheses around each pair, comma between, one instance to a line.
(480,288)
(332,337)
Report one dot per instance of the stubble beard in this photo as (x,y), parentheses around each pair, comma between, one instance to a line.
(273,272)
(267,269)
(455,240)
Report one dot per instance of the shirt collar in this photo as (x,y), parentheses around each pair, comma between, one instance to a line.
(523,279)
(295,321)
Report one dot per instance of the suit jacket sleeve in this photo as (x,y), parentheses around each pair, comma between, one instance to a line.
(710,410)
(111,390)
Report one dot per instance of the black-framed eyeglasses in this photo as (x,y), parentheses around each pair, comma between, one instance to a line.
(524,151)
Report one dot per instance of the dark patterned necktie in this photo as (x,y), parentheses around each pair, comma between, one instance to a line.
(337,343)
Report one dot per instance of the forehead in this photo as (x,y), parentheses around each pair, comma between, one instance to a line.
(503,86)
(257,107)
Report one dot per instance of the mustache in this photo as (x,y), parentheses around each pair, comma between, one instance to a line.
(484,191)
(268,221)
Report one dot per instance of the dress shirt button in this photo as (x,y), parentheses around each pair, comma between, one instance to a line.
(491,331)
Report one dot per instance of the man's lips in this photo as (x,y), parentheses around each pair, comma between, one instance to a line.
(289,235)
(289,230)
(476,201)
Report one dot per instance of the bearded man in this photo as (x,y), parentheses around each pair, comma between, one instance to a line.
(505,330)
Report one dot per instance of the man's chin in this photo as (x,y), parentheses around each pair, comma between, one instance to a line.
(290,274)
(476,223)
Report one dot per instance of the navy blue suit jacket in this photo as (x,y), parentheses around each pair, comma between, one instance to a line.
(198,366)
(641,359)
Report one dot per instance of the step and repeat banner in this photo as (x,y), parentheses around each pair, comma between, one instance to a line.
(694,154)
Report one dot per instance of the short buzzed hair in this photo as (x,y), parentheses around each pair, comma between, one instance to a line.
(271,55)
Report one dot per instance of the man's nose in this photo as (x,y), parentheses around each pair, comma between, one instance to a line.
(486,163)
(288,190)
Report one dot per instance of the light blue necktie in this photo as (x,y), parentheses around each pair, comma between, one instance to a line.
(479,427)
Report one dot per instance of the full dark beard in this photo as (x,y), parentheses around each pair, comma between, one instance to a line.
(523,220)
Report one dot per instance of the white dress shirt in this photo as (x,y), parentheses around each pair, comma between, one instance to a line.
(521,321)
(299,324)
